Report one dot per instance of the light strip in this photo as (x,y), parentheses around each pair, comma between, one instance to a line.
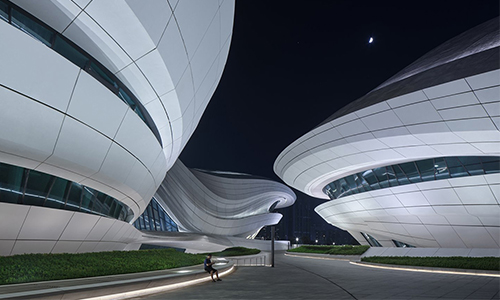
(317,257)
(400,268)
(425,270)
(157,289)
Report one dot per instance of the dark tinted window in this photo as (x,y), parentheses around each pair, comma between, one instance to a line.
(37,188)
(75,197)
(455,166)
(11,183)
(57,193)
(411,172)
(441,169)
(103,76)
(400,175)
(491,165)
(426,168)
(4,11)
(71,53)
(30,187)
(155,218)
(381,175)
(87,199)
(31,27)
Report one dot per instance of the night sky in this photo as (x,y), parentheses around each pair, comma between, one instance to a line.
(294,63)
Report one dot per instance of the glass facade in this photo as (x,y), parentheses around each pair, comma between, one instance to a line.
(51,38)
(155,218)
(371,240)
(412,172)
(29,187)
(402,245)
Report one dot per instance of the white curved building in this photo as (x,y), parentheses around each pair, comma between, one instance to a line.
(98,99)
(416,160)
(221,203)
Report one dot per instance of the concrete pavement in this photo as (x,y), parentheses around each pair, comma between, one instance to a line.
(306,278)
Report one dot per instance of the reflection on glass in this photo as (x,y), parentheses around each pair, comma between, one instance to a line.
(30,187)
(155,218)
(381,174)
(62,47)
(412,172)
(402,245)
(11,183)
(371,240)
(4,11)
(427,169)
(37,188)
(31,27)
(74,197)
(87,199)
(441,169)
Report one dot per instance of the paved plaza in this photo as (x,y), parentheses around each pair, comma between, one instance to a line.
(305,278)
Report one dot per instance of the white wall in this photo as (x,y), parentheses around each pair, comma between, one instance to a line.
(59,120)
(33,229)
(450,213)
(457,118)
(170,54)
(209,204)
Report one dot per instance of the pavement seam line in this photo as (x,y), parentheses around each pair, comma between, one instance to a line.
(336,284)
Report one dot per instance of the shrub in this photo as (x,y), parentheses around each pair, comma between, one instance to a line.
(348,250)
(237,251)
(40,267)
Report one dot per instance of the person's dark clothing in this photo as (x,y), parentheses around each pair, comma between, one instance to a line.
(207,267)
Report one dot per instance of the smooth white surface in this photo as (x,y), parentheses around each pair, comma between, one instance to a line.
(412,129)
(210,204)
(452,216)
(155,51)
(152,47)
(457,118)
(107,114)
(100,30)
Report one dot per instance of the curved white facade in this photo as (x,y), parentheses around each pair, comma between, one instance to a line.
(446,104)
(221,203)
(58,119)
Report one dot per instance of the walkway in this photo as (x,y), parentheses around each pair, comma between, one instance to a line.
(305,278)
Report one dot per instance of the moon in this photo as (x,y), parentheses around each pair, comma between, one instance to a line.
(370,40)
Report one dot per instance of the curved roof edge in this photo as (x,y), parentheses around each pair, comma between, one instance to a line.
(472,52)
(229,174)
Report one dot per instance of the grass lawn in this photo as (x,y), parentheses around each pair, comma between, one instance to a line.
(334,250)
(237,251)
(40,267)
(477,263)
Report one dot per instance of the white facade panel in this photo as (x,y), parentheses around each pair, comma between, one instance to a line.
(416,115)
(95,105)
(54,79)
